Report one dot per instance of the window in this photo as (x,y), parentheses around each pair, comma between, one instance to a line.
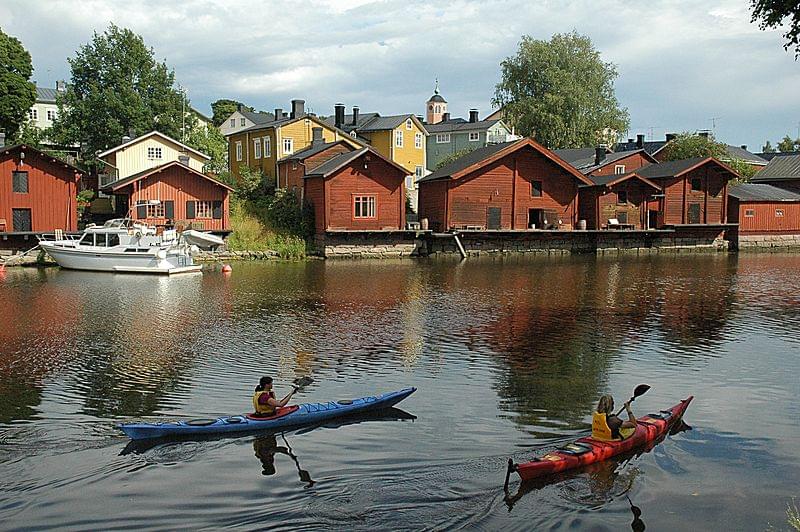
(778,213)
(154,152)
(697,184)
(233,122)
(21,220)
(418,171)
(203,209)
(409,182)
(619,169)
(239,151)
(409,124)
(622,217)
(418,140)
(288,146)
(430,108)
(20,182)
(398,138)
(51,114)
(257,148)
(749,213)
(536,189)
(363,206)
(242,121)
(438,109)
(622,197)
(267,147)
(33,113)
(156,211)
(442,138)
(474,136)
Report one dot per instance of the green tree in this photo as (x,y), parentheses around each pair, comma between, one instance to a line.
(117,86)
(223,108)
(18,93)
(767,148)
(687,145)
(772,13)
(743,168)
(453,156)
(787,144)
(210,141)
(560,92)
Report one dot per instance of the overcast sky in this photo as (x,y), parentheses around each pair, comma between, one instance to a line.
(681,63)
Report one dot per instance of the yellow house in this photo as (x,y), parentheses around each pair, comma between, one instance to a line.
(260,147)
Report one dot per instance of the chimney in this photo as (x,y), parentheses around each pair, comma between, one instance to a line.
(640,141)
(599,154)
(339,115)
(183,159)
(2,139)
(630,141)
(125,139)
(671,136)
(316,136)
(473,115)
(355,115)
(703,134)
(445,117)
(298,108)
(61,85)
(744,147)
(239,107)
(278,113)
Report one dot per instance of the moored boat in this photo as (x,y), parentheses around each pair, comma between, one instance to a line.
(291,416)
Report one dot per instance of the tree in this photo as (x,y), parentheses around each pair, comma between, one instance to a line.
(767,148)
(743,168)
(560,92)
(18,93)
(787,144)
(771,14)
(117,87)
(210,141)
(687,145)
(453,156)
(223,108)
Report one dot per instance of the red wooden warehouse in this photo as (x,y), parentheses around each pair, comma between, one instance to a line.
(293,168)
(517,185)
(358,190)
(185,196)
(762,209)
(623,198)
(38,192)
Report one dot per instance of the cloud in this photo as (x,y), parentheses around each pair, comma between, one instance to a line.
(680,63)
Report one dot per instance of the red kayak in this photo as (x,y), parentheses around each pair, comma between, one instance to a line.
(588,450)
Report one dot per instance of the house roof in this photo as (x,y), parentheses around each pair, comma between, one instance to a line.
(737,152)
(587,166)
(259,118)
(25,147)
(120,183)
(654,146)
(289,120)
(311,150)
(339,161)
(157,134)
(613,179)
(482,156)
(783,167)
(762,192)
(679,167)
(650,146)
(347,125)
(571,155)
(771,155)
(46,95)
(374,122)
(459,124)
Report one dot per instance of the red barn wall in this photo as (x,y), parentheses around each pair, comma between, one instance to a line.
(314,188)
(679,196)
(433,203)
(764,220)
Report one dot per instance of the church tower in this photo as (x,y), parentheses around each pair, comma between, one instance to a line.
(436,106)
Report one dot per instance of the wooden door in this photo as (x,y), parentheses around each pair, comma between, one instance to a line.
(694,213)
(21,219)
(493,217)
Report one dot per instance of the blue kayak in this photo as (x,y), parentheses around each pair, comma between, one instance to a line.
(290,416)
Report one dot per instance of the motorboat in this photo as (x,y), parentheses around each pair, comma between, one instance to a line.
(127,245)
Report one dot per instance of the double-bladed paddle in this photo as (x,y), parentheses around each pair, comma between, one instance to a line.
(639,390)
(302,382)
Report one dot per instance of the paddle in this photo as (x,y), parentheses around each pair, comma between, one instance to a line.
(302,382)
(639,390)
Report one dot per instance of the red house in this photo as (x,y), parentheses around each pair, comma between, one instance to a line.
(516,185)
(38,192)
(358,190)
(185,196)
(623,198)
(762,209)
(292,169)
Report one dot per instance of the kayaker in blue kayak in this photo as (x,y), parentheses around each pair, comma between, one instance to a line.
(606,426)
(264,402)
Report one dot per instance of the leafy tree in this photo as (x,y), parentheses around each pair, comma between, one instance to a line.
(787,144)
(744,169)
(687,145)
(210,141)
(18,94)
(31,135)
(771,14)
(453,156)
(223,108)
(767,148)
(560,92)
(117,86)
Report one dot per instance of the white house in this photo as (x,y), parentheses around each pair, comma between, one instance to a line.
(243,119)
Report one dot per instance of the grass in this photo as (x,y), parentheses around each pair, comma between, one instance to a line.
(252,233)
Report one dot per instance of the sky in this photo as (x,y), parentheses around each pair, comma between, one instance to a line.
(683,65)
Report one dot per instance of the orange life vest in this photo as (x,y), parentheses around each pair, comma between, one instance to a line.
(263,408)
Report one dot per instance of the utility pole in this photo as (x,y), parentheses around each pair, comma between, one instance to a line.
(714,123)
(183,113)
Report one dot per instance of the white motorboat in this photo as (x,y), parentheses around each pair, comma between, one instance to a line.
(201,239)
(124,245)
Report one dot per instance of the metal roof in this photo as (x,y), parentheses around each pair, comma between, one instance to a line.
(119,183)
(257,118)
(45,95)
(762,192)
(437,98)
(575,154)
(650,146)
(459,124)
(25,147)
(669,168)
(784,167)
(466,161)
(771,155)
(312,149)
(338,161)
(737,152)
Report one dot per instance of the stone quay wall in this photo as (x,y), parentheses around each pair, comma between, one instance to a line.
(761,243)
(370,244)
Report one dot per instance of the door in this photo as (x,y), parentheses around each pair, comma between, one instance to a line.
(493,217)
(652,219)
(121,205)
(694,213)
(535,217)
(21,220)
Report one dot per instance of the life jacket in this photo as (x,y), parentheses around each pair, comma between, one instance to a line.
(600,429)
(263,409)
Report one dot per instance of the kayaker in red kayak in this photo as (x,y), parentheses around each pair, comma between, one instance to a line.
(264,402)
(606,426)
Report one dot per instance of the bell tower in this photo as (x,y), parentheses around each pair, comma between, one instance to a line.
(435,107)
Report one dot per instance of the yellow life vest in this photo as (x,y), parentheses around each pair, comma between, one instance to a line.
(263,408)
(600,429)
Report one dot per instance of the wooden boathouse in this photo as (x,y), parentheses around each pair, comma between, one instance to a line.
(762,209)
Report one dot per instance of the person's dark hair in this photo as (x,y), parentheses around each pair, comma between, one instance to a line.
(263,382)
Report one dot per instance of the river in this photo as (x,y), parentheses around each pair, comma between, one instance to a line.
(509,355)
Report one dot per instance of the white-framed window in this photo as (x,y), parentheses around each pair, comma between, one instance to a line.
(239,150)
(33,113)
(418,172)
(257,148)
(267,147)
(442,138)
(418,140)
(51,114)
(204,209)
(409,124)
(398,138)
(474,136)
(619,169)
(363,206)
(288,146)
(242,121)
(233,122)
(409,182)
(154,152)
(438,109)
(749,213)
(778,213)
(156,211)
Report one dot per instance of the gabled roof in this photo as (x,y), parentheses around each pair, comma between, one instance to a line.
(289,120)
(120,183)
(56,160)
(587,166)
(571,155)
(481,157)
(151,134)
(762,192)
(680,167)
(737,152)
(768,156)
(311,150)
(783,167)
(611,180)
(46,95)
(347,125)
(654,146)
(257,118)
(368,122)
(650,146)
(459,124)
(339,161)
